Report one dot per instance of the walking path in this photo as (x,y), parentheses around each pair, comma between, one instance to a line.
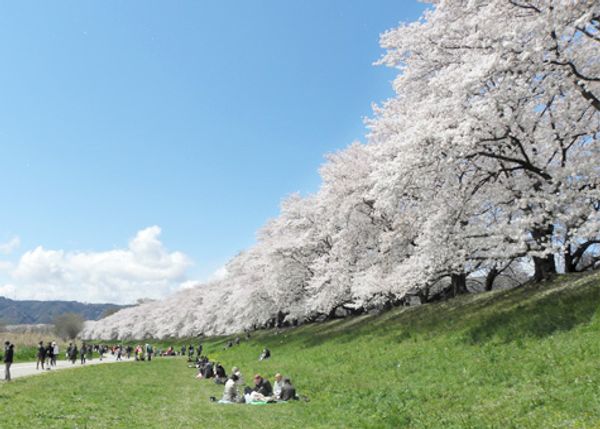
(26,369)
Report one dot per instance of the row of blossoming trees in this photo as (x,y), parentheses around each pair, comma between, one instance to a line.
(486,156)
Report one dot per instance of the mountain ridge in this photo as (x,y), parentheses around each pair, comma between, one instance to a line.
(17,312)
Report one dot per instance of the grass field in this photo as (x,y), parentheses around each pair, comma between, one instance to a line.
(526,358)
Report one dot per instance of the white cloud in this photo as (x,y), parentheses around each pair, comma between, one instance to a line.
(219,274)
(10,246)
(189,284)
(144,269)
(7,290)
(6,266)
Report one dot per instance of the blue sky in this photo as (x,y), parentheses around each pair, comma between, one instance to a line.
(194,116)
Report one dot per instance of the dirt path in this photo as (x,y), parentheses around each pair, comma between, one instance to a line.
(26,369)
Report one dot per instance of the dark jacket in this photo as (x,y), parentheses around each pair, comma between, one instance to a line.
(9,356)
(264,388)
(288,392)
(221,372)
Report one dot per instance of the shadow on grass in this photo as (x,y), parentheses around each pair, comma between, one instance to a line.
(540,315)
(537,310)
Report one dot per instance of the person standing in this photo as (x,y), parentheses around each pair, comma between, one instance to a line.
(8,360)
(149,351)
(55,353)
(73,354)
(41,355)
(82,353)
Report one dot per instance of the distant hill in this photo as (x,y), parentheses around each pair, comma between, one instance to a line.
(33,312)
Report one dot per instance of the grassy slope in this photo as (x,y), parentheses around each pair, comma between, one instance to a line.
(527,358)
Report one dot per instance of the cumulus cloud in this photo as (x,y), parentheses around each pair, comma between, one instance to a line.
(189,284)
(219,273)
(10,246)
(145,268)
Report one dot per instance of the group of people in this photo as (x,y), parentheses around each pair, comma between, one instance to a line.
(191,351)
(282,389)
(262,390)
(46,355)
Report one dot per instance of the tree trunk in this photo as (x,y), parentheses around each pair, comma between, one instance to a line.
(545,266)
(569,260)
(490,278)
(458,284)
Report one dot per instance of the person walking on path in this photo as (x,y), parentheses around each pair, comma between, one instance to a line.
(8,360)
(49,356)
(149,352)
(82,353)
(55,353)
(41,356)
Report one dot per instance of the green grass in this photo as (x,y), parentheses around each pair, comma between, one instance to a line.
(526,358)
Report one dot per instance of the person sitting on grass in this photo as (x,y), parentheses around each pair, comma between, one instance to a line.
(262,391)
(205,369)
(235,370)
(266,354)
(277,386)
(209,370)
(262,386)
(288,391)
(230,394)
(220,375)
